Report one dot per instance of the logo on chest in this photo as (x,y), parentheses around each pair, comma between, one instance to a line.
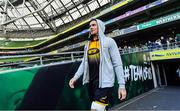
(93,51)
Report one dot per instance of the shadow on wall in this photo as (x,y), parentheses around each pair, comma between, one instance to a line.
(49,90)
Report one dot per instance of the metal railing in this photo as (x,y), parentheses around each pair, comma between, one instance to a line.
(45,59)
(150,47)
(21,61)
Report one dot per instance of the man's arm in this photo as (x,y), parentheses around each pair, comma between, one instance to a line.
(117,65)
(80,70)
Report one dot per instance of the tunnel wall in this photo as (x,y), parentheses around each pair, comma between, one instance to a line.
(47,87)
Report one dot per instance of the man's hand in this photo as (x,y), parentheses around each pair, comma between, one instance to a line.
(122,93)
(72,82)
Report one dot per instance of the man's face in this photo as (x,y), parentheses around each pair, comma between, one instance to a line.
(93,27)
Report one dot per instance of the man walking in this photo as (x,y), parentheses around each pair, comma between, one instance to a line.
(100,63)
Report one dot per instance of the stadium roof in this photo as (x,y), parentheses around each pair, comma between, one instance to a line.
(17,15)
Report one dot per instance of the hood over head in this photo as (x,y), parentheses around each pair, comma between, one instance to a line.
(101,25)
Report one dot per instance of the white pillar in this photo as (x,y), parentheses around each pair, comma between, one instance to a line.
(158,75)
(154,75)
(41,61)
(164,74)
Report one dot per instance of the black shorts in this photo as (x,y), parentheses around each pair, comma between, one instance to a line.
(100,95)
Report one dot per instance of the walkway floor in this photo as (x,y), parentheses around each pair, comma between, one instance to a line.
(165,98)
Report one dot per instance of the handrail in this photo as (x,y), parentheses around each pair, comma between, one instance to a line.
(149,48)
(40,59)
(38,55)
